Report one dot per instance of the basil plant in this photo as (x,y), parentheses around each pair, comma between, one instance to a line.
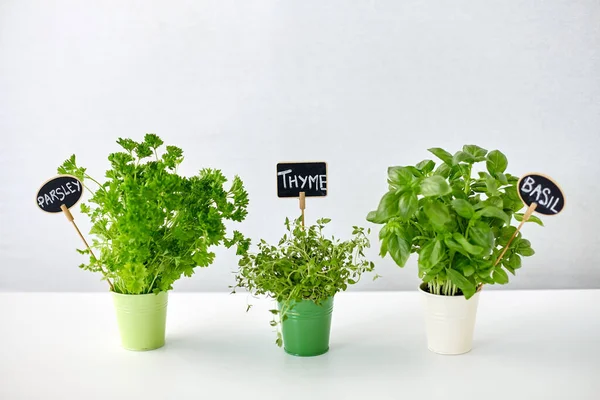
(457,216)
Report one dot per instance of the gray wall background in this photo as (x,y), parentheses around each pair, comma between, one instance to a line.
(242,85)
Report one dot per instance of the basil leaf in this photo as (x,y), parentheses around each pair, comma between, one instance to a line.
(388,207)
(512,262)
(482,235)
(426,166)
(463,283)
(407,205)
(494,212)
(532,218)
(431,254)
(463,208)
(505,235)
(475,151)
(435,186)
(490,184)
(443,170)
(441,154)
(400,176)
(501,178)
(452,245)
(496,162)
(470,248)
(399,249)
(437,213)
(500,276)
(461,156)
(375,218)
(468,270)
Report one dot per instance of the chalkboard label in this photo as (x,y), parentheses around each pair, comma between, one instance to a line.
(307,177)
(542,190)
(64,189)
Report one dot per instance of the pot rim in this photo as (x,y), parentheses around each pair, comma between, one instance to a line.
(462,296)
(138,295)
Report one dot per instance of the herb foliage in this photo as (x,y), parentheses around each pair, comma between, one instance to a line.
(151,225)
(456,222)
(304,265)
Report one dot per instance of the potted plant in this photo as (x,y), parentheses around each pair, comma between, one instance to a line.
(458,219)
(303,272)
(150,227)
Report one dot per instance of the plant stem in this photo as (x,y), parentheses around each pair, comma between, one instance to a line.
(467,178)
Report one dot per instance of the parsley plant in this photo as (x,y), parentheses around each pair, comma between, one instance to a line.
(151,225)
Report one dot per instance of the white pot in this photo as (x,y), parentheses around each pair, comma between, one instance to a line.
(450,321)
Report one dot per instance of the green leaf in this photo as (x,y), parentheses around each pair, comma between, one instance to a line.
(461,156)
(501,178)
(143,150)
(435,186)
(441,154)
(483,236)
(399,249)
(475,151)
(490,184)
(525,251)
(493,212)
(495,201)
(127,144)
(388,207)
(506,233)
(375,218)
(443,170)
(152,140)
(407,205)
(468,270)
(452,245)
(500,276)
(414,171)
(383,249)
(463,283)
(496,162)
(431,254)
(514,261)
(470,248)
(437,212)
(426,166)
(511,262)
(400,176)
(532,218)
(463,208)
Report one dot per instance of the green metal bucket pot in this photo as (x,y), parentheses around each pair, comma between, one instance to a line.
(142,319)
(307,327)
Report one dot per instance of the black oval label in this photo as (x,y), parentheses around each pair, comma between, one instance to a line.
(542,190)
(64,189)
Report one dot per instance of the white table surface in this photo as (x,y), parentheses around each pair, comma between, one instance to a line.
(528,345)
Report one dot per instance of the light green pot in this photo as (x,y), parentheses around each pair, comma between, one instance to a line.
(142,319)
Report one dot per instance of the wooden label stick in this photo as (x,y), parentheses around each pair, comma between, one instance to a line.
(69,216)
(302,205)
(72,220)
(526,216)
